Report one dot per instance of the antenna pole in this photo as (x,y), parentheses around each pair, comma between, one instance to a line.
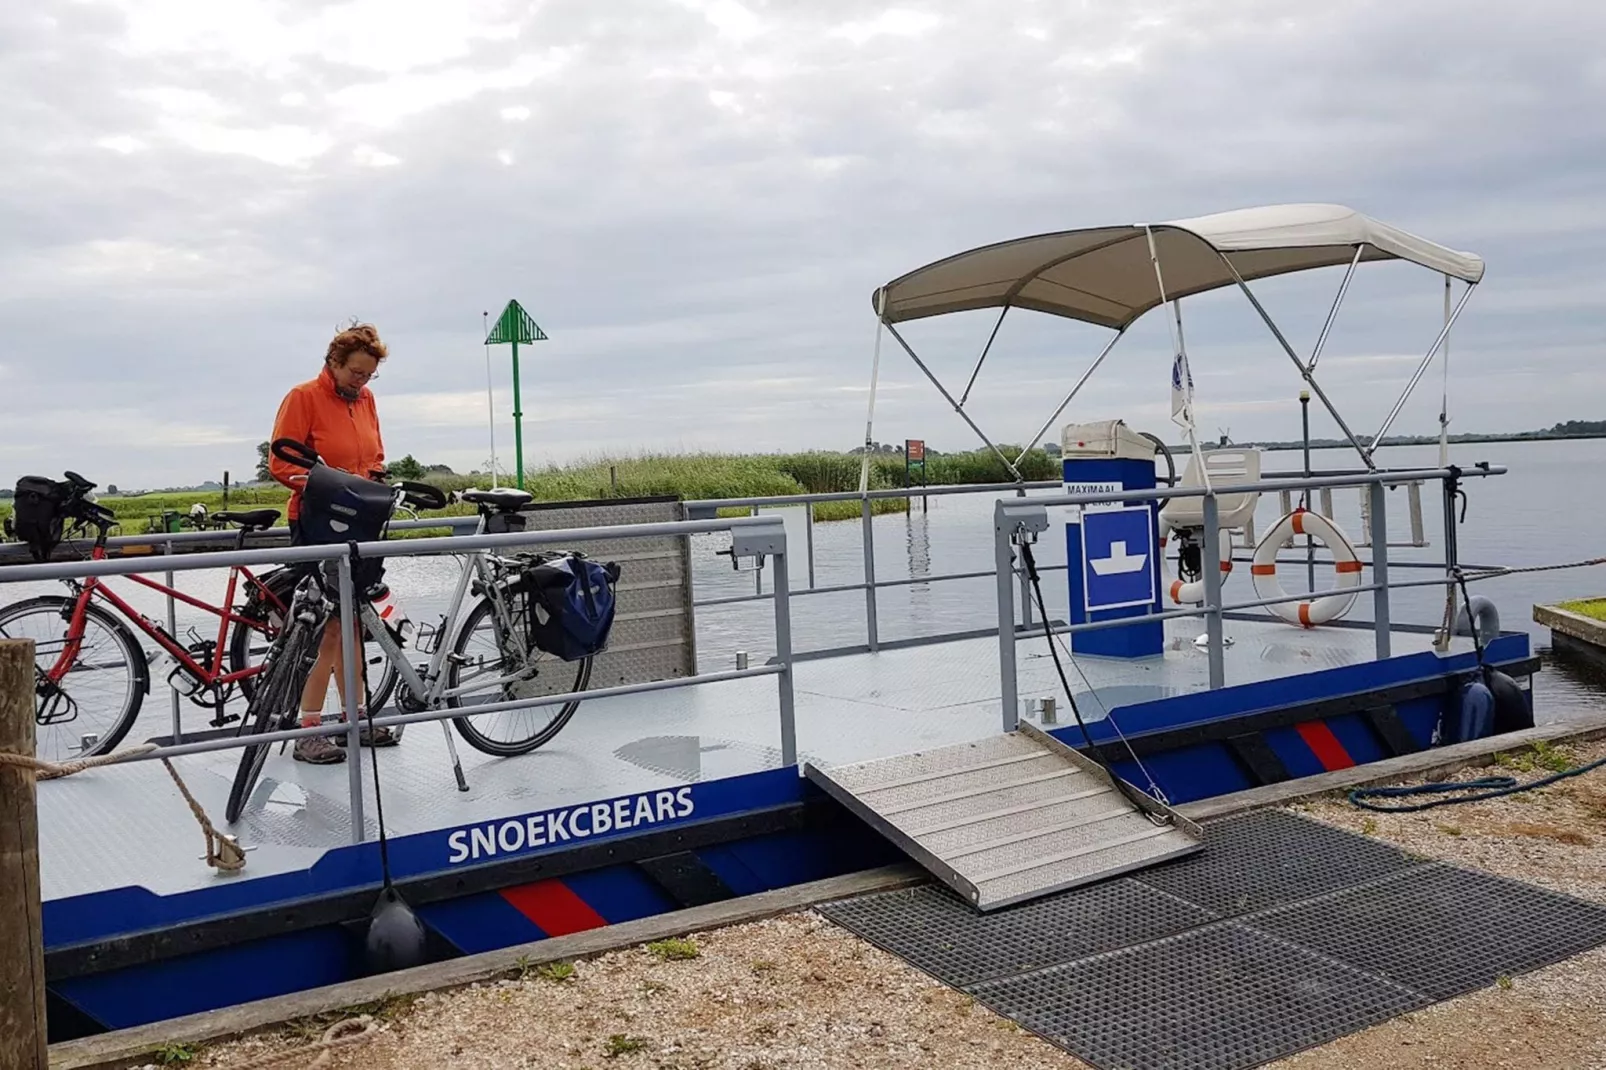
(490,404)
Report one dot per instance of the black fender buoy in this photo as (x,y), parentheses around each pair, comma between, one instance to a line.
(1511,710)
(396,938)
(1471,713)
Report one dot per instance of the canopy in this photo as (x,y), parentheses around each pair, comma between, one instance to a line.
(1104,275)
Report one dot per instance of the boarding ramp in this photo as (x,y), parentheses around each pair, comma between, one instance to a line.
(1011,818)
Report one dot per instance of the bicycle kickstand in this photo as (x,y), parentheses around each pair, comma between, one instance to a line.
(457,764)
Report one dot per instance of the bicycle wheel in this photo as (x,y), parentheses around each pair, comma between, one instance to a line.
(273,708)
(103,688)
(484,650)
(248,643)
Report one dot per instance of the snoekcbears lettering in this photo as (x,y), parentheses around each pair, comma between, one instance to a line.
(574,823)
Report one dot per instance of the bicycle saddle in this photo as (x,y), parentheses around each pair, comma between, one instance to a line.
(498,498)
(250,520)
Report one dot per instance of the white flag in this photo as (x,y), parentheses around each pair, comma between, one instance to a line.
(1181,392)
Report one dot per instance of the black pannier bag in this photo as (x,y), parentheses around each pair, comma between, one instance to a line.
(338,507)
(38,514)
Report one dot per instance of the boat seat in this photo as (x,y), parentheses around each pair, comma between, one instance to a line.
(1228,467)
(502,499)
(250,520)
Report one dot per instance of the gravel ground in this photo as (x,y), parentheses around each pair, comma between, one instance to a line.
(796,992)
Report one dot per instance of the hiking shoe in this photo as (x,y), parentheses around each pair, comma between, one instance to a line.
(317,750)
(370,737)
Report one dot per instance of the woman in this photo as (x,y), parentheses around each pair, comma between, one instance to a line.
(335,415)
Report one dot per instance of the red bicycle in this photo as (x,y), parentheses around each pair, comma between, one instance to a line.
(91,671)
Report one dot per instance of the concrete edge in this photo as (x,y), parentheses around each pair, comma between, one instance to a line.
(1576,625)
(1429,763)
(126,1047)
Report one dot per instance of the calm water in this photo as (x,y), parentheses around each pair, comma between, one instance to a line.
(1534,515)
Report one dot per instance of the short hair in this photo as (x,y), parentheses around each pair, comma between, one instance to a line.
(358,338)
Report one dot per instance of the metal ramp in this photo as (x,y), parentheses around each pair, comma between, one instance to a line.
(1011,818)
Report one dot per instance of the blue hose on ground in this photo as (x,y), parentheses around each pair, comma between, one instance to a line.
(1489,787)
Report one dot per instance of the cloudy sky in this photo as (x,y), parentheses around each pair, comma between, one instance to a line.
(696,198)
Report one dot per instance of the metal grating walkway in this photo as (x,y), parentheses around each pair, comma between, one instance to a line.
(1281,935)
(1010,818)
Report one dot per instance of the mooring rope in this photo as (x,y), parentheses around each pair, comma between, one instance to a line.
(344,1034)
(221,853)
(1492,573)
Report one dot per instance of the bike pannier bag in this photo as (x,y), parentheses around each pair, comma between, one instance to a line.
(570,602)
(501,523)
(38,513)
(339,507)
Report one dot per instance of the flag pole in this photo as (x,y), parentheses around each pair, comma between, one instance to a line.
(1181,375)
(490,403)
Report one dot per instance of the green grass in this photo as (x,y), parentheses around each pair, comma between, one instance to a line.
(1586,607)
(689,476)
(674,949)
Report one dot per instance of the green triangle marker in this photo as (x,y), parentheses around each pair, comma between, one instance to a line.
(514,326)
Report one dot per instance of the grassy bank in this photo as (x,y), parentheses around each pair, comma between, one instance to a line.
(692,477)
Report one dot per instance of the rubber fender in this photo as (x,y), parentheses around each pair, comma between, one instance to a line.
(1484,615)
(1511,709)
(1471,713)
(396,938)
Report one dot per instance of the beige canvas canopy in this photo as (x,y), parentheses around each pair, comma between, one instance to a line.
(1104,275)
(1112,275)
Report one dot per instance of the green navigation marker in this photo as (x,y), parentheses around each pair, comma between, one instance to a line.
(513,326)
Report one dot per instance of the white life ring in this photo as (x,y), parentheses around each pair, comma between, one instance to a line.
(1188,594)
(1319,609)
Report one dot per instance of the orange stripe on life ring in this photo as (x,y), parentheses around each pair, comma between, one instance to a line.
(1226,567)
(1176,588)
(1299,522)
(1263,570)
(1304,615)
(1347,566)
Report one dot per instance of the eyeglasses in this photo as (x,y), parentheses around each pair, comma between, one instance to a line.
(361,377)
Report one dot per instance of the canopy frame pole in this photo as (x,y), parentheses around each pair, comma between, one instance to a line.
(963,415)
(1179,353)
(1077,389)
(979,360)
(875,378)
(1271,325)
(1444,334)
(1444,397)
(1332,313)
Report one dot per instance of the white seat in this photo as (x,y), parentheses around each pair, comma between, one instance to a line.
(1228,467)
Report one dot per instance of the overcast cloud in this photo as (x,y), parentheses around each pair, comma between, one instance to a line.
(696,199)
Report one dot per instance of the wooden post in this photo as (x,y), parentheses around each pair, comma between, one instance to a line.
(23,1038)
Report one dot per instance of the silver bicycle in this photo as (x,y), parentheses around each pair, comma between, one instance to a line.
(485,655)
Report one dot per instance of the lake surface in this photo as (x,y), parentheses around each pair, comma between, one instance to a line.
(1534,515)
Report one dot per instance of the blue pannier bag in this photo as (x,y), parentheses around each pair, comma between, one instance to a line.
(570,602)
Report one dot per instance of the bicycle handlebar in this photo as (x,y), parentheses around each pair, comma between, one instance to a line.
(293,452)
(421,495)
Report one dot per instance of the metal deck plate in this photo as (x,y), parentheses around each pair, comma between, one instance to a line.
(1281,935)
(1010,818)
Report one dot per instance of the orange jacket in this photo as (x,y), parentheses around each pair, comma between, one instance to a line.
(344,433)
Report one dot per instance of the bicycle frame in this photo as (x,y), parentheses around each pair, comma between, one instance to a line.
(207,676)
(430,689)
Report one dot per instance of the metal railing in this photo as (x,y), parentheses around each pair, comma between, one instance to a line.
(757,538)
(1018,521)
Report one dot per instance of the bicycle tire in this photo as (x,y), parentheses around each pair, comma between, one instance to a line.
(464,723)
(57,605)
(279,693)
(283,585)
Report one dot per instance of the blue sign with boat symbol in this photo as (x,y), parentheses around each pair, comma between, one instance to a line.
(1118,548)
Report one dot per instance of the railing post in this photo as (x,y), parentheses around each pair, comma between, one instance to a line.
(808,536)
(1004,564)
(871,628)
(348,651)
(23,1036)
(783,658)
(172,629)
(1025,585)
(1379,531)
(1212,582)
